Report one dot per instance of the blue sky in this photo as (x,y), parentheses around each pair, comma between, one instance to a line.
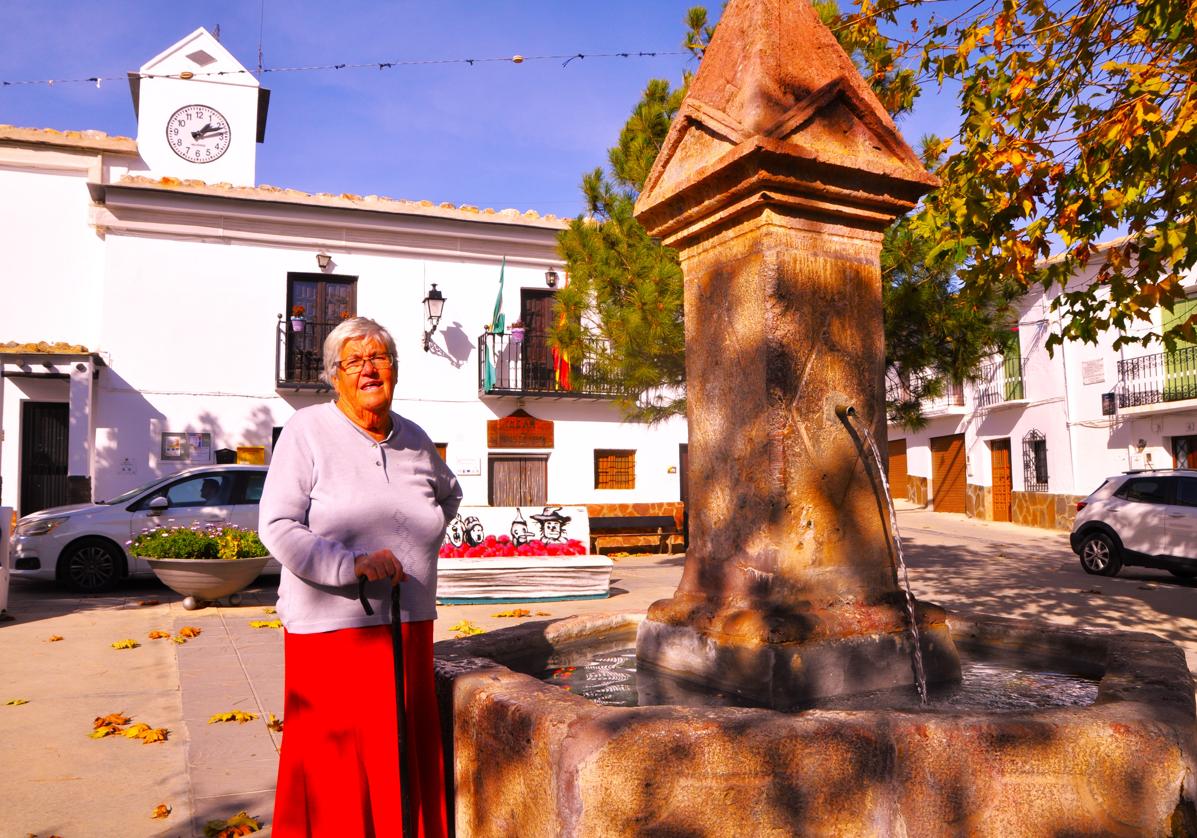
(494,135)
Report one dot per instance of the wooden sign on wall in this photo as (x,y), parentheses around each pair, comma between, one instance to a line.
(519,430)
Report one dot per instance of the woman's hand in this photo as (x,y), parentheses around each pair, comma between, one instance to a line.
(381,564)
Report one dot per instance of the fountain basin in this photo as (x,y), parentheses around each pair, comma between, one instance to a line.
(532,759)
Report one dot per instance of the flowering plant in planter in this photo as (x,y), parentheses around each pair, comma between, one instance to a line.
(298,312)
(503,547)
(228,542)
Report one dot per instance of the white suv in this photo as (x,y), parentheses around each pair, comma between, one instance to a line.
(1146,518)
(83,546)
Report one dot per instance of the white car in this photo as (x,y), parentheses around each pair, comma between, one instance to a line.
(1145,518)
(84,546)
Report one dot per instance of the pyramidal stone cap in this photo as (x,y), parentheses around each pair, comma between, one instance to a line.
(777,113)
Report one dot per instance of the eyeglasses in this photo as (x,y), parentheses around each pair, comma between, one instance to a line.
(382,361)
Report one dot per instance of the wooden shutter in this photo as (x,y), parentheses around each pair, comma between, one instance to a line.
(518,481)
(897,468)
(947,473)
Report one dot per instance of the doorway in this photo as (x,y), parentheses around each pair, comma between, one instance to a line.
(45,431)
(518,480)
(536,310)
(1003,478)
(1184,451)
(947,473)
(896,470)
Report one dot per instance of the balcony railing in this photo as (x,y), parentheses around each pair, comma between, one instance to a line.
(528,367)
(897,390)
(1001,382)
(1151,379)
(299,354)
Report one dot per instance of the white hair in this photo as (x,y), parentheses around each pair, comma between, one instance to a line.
(355,328)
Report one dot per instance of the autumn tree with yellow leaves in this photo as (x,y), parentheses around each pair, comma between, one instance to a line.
(1078,126)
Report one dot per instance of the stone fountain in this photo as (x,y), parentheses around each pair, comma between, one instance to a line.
(775,184)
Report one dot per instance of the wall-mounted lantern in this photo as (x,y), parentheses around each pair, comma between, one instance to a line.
(323,260)
(434,306)
(550,278)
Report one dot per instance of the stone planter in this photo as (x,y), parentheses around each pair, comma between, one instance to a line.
(202,580)
(523,579)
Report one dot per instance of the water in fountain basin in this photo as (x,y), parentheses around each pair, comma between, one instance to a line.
(611,678)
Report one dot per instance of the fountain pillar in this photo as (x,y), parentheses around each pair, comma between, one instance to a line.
(775,184)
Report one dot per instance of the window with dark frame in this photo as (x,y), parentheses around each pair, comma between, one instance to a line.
(316,304)
(1034,462)
(614,469)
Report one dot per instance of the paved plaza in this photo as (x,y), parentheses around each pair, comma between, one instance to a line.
(59,781)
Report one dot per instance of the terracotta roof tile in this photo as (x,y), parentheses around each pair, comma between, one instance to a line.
(84,140)
(347,201)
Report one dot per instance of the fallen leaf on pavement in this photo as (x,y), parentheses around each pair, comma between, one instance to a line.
(161,811)
(141,603)
(514,612)
(269,611)
(233,716)
(156,734)
(16,701)
(275,723)
(543,614)
(127,643)
(179,640)
(266,624)
(190,631)
(111,719)
(54,638)
(158,634)
(465,628)
(135,731)
(239,824)
(105,730)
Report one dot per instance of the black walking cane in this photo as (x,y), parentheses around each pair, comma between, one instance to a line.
(407,812)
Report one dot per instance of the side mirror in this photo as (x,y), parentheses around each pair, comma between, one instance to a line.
(158,505)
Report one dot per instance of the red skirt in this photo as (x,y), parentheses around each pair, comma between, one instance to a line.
(338,770)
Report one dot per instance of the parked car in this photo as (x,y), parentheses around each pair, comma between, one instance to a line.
(1145,518)
(84,547)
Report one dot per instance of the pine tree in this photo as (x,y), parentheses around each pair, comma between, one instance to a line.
(622,308)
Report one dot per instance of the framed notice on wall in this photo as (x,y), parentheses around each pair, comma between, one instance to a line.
(188,447)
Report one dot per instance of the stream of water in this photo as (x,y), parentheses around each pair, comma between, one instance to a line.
(920,674)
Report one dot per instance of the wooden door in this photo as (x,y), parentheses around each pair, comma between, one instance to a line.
(896,470)
(45,429)
(536,310)
(1003,478)
(947,473)
(1184,451)
(518,481)
(326,302)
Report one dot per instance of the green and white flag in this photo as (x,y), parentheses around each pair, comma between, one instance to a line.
(498,324)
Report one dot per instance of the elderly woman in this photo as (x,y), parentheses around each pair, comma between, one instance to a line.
(356,490)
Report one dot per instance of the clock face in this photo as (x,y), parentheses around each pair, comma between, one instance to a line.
(198,133)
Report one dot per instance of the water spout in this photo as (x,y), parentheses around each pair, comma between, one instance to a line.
(848,414)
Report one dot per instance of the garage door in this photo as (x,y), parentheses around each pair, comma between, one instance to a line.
(897,468)
(947,473)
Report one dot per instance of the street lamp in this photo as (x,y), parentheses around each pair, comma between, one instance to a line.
(434,305)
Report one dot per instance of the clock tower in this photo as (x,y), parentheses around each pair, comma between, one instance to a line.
(200,113)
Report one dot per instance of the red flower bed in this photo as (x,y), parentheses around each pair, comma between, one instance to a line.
(502,546)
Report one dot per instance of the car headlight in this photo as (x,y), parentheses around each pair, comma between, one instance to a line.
(39,527)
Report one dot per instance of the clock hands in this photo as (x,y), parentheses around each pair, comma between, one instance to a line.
(207,131)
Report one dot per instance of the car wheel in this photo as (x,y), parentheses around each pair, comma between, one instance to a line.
(90,566)
(1099,555)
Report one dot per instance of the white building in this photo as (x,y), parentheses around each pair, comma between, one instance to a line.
(169,277)
(1039,432)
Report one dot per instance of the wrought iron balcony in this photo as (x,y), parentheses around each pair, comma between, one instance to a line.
(1001,382)
(299,353)
(526,366)
(897,390)
(1164,377)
